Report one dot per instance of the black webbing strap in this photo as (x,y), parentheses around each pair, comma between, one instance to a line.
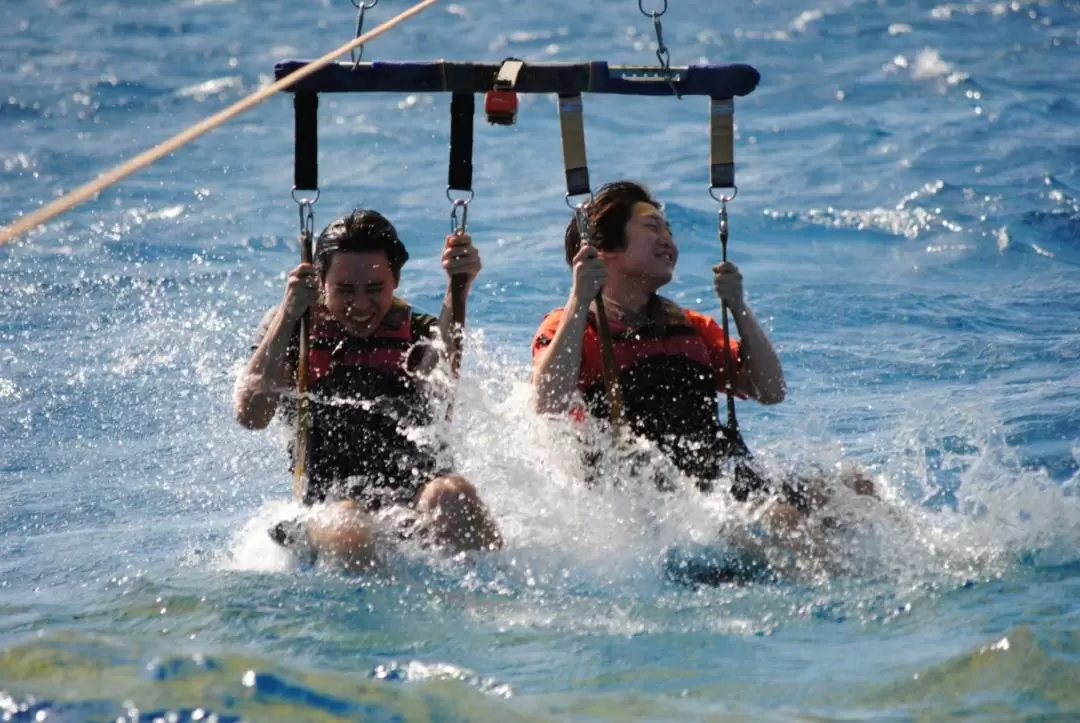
(572,125)
(305,178)
(721,142)
(306,162)
(462,110)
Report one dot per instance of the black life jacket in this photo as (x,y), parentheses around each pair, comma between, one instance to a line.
(363,397)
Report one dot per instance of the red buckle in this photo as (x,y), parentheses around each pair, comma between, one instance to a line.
(501,107)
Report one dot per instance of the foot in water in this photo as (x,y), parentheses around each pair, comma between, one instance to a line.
(340,533)
(818,519)
(293,536)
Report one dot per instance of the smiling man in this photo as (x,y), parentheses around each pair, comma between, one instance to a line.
(671,361)
(368,362)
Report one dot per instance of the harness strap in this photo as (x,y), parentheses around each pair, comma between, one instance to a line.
(721,142)
(306,159)
(576,166)
(575,163)
(460,172)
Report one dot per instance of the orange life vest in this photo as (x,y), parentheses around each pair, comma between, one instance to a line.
(669,374)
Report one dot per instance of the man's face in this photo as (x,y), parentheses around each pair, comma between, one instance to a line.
(359,290)
(650,253)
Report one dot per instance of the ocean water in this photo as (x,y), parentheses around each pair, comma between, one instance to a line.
(908,226)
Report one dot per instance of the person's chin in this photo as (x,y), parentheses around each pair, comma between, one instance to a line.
(664,277)
(362,330)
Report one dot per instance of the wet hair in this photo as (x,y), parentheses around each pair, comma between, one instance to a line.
(611,208)
(360,231)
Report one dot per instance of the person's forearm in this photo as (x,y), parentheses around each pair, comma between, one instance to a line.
(446,317)
(761,376)
(259,387)
(556,374)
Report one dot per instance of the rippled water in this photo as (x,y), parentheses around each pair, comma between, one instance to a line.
(907,223)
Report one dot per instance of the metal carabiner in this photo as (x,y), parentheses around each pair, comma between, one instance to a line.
(654,13)
(307,210)
(463,204)
(357,53)
(304,200)
(307,220)
(581,213)
(723,198)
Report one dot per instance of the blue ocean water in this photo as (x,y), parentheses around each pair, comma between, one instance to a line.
(908,226)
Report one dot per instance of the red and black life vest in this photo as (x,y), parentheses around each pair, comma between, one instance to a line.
(364,396)
(669,376)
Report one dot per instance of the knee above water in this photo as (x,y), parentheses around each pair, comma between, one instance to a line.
(450,485)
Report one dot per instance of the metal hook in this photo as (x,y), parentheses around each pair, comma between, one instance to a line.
(654,13)
(663,55)
(463,204)
(658,28)
(306,206)
(724,198)
(581,213)
(576,206)
(357,54)
(451,199)
(304,200)
(307,218)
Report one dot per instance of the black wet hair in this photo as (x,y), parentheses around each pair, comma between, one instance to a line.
(611,208)
(359,231)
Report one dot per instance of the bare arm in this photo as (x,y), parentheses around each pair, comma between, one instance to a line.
(461,259)
(761,376)
(446,315)
(555,375)
(267,374)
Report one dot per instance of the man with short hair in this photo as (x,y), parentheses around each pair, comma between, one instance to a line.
(671,362)
(369,357)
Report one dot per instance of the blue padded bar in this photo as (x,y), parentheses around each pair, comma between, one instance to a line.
(718,81)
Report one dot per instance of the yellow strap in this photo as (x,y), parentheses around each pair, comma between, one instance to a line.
(572,126)
(721,142)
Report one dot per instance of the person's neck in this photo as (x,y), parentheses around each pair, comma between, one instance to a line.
(628,295)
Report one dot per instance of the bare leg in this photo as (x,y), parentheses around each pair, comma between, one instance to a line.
(343,533)
(858,482)
(455,516)
(794,530)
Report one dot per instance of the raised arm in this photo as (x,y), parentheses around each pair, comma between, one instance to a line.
(460,258)
(556,369)
(761,375)
(269,371)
